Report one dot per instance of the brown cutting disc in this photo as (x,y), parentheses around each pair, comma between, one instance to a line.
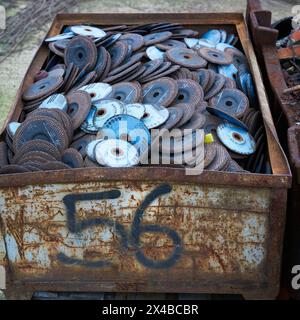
(44,112)
(184,33)
(127,64)
(58,72)
(255,122)
(72,158)
(220,159)
(71,80)
(54,165)
(81,51)
(210,152)
(88,163)
(134,75)
(151,66)
(107,68)
(195,76)
(161,91)
(79,105)
(42,74)
(31,166)
(123,73)
(188,111)
(39,145)
(175,115)
(189,92)
(13,168)
(157,37)
(66,122)
(101,62)
(216,87)
(41,127)
(215,56)
(127,92)
(186,57)
(232,101)
(88,78)
(118,52)
(68,73)
(233,166)
(21,159)
(42,88)
(211,122)
(81,143)
(136,41)
(3,154)
(170,44)
(229,83)
(78,134)
(211,80)
(163,67)
(165,73)
(197,121)
(54,49)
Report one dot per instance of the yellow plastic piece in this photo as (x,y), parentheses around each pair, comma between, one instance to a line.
(208,138)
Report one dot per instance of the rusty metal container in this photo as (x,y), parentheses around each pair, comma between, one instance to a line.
(142,229)
(286,117)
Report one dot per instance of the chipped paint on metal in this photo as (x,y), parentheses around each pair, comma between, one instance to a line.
(221,230)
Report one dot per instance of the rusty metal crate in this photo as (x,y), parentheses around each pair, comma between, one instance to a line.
(146,229)
(286,117)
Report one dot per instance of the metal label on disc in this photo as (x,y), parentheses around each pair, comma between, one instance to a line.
(153,53)
(57,101)
(97,91)
(88,31)
(136,110)
(154,115)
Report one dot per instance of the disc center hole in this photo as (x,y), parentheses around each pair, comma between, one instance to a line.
(237,136)
(80,55)
(186,56)
(181,97)
(117,152)
(146,115)
(101,112)
(156,94)
(228,103)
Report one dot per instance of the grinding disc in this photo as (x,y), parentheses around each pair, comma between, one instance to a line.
(136,110)
(82,52)
(42,88)
(211,80)
(66,122)
(163,67)
(229,71)
(90,149)
(238,58)
(88,124)
(154,53)
(175,115)
(88,31)
(215,56)
(3,154)
(62,36)
(211,123)
(134,75)
(13,168)
(127,92)
(170,44)
(87,163)
(116,153)
(155,115)
(62,44)
(118,53)
(109,40)
(229,83)
(81,143)
(203,78)
(233,166)
(79,104)
(216,87)
(57,101)
(136,41)
(161,91)
(210,151)
(157,37)
(101,62)
(42,74)
(122,73)
(40,145)
(52,47)
(72,158)
(127,64)
(223,115)
(212,35)
(236,139)
(220,158)
(189,92)
(85,80)
(41,127)
(232,101)
(188,111)
(128,128)
(165,73)
(107,109)
(23,158)
(186,57)
(182,33)
(151,66)
(197,121)
(54,165)
(97,91)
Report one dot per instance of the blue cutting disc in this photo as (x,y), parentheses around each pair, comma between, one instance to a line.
(128,128)
(223,115)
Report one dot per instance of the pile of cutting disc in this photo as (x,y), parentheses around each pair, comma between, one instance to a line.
(102,91)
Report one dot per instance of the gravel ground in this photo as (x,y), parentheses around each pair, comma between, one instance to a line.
(12,70)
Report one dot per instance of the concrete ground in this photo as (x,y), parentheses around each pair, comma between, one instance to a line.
(13,69)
